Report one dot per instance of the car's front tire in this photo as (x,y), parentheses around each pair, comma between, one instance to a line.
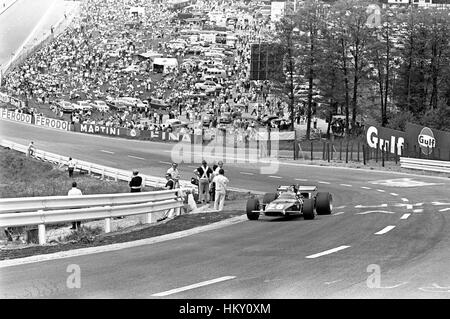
(324,203)
(308,209)
(253,209)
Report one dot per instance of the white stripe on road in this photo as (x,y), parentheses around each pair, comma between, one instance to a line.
(365,187)
(340,213)
(347,185)
(106,152)
(409,206)
(320,182)
(444,209)
(381,190)
(139,158)
(405,199)
(301,179)
(245,173)
(340,207)
(275,176)
(394,194)
(327,252)
(405,216)
(385,230)
(200,284)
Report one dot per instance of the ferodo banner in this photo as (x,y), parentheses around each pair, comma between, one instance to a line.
(380,137)
(52,123)
(429,142)
(15,116)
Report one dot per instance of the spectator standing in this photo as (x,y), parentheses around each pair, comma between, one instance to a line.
(71,164)
(204,172)
(170,182)
(74,191)
(135,182)
(221,183)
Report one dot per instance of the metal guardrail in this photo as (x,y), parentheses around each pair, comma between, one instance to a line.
(425,165)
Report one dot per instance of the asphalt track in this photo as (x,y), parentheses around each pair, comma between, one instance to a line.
(268,258)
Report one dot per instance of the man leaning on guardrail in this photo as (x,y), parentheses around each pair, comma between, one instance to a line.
(74,191)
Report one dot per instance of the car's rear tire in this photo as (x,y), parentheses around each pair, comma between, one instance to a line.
(269,197)
(253,209)
(324,203)
(308,209)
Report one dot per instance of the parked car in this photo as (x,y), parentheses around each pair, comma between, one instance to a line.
(83,106)
(66,106)
(208,86)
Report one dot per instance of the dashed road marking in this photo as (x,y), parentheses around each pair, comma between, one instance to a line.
(327,252)
(301,179)
(409,206)
(405,216)
(373,206)
(375,211)
(108,152)
(340,207)
(136,157)
(245,173)
(419,210)
(385,230)
(365,187)
(381,190)
(321,182)
(439,203)
(273,176)
(193,286)
(340,213)
(394,194)
(405,200)
(346,185)
(444,209)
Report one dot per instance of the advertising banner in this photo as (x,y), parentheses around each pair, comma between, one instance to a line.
(15,116)
(381,137)
(4,97)
(98,129)
(52,123)
(426,142)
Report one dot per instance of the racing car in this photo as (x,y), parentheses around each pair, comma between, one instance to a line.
(291,200)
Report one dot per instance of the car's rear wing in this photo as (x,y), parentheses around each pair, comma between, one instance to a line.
(307,189)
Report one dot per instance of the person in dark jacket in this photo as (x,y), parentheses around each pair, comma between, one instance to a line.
(135,182)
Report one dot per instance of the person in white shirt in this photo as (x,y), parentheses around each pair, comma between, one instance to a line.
(71,166)
(74,191)
(221,183)
(173,171)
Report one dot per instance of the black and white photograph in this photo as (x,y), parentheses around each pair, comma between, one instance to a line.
(224,155)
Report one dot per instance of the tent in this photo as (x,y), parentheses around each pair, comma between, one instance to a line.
(164,65)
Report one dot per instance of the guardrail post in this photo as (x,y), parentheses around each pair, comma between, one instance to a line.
(108,225)
(150,218)
(115,177)
(89,169)
(103,173)
(41,233)
(143,181)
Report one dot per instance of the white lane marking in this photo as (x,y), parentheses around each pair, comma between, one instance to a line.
(385,230)
(273,176)
(375,211)
(193,286)
(327,252)
(395,286)
(340,207)
(136,157)
(405,199)
(365,187)
(347,185)
(245,173)
(332,282)
(169,163)
(394,194)
(435,288)
(439,203)
(419,210)
(340,213)
(409,206)
(381,190)
(320,182)
(444,209)
(405,216)
(374,206)
(109,152)
(301,179)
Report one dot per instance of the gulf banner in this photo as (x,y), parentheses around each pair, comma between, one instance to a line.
(427,142)
(52,123)
(392,141)
(15,116)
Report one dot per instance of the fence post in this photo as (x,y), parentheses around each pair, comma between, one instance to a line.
(382,155)
(323,151)
(328,152)
(41,232)
(108,225)
(346,153)
(364,154)
(103,173)
(312,152)
(89,169)
(340,151)
(332,150)
(396,154)
(358,152)
(351,153)
(376,151)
